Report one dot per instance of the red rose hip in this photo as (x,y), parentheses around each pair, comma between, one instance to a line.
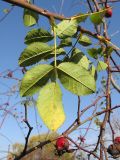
(62,144)
(108,12)
(117,140)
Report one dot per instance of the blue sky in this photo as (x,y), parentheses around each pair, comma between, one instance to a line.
(12,33)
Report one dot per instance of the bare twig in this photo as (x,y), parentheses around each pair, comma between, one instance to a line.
(30,129)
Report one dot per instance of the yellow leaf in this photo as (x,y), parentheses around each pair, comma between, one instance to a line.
(50,106)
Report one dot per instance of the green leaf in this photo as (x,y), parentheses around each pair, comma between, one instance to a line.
(101,66)
(38,35)
(30,18)
(79,58)
(84,62)
(66,42)
(34,53)
(97,17)
(59,51)
(50,106)
(107,51)
(76,78)
(84,40)
(35,78)
(94,52)
(66,28)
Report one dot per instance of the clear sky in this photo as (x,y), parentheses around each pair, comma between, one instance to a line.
(12,33)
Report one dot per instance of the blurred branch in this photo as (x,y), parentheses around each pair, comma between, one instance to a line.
(44,12)
(30,129)
(114,84)
(109,1)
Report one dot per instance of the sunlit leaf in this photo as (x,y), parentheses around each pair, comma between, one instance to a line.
(101,66)
(80,58)
(66,42)
(50,106)
(34,53)
(38,35)
(59,51)
(35,78)
(75,78)
(30,18)
(66,28)
(84,40)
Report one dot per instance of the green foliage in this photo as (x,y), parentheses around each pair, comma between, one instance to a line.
(75,78)
(34,53)
(94,52)
(50,106)
(38,35)
(73,69)
(30,18)
(101,66)
(66,28)
(84,40)
(65,42)
(35,78)
(97,17)
(79,58)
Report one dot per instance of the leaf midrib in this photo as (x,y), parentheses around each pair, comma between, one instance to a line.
(38,38)
(76,79)
(38,54)
(38,80)
(66,28)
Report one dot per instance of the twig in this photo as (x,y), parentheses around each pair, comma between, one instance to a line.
(39,10)
(78,112)
(30,129)
(114,84)
(110,1)
(114,63)
(83,149)
(33,149)
(89,5)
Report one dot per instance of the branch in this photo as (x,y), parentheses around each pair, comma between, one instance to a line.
(114,84)
(110,1)
(30,129)
(83,149)
(32,7)
(78,112)
(93,104)
(33,149)
(114,63)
